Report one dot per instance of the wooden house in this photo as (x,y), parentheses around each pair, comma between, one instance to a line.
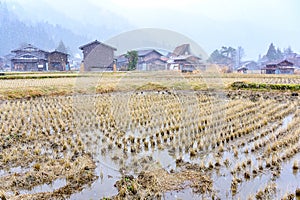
(29,58)
(182,59)
(97,56)
(185,63)
(57,61)
(150,60)
(283,67)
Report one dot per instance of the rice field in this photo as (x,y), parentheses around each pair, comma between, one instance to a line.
(26,85)
(149,136)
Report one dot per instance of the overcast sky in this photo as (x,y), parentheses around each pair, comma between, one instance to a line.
(252,24)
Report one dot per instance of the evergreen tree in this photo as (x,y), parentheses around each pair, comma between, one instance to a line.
(215,56)
(62,48)
(132,57)
(272,53)
(288,51)
(279,54)
(226,56)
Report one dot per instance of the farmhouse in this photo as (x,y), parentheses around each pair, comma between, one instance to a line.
(148,60)
(283,67)
(57,61)
(182,59)
(29,58)
(97,56)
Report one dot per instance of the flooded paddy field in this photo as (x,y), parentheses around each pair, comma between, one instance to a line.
(151,144)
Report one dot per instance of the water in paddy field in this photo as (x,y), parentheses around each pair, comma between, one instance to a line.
(14,170)
(286,121)
(103,186)
(287,181)
(112,163)
(183,194)
(51,187)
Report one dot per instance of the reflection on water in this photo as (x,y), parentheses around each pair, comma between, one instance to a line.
(58,183)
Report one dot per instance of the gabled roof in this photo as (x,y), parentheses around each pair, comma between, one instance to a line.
(28,56)
(182,50)
(96,42)
(27,47)
(55,51)
(122,58)
(142,53)
(280,62)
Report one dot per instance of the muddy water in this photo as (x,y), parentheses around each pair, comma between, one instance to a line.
(103,186)
(183,194)
(13,170)
(108,172)
(286,121)
(58,183)
(289,179)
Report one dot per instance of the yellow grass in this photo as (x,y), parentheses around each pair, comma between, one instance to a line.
(88,83)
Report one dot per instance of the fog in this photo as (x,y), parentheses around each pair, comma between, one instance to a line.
(252,24)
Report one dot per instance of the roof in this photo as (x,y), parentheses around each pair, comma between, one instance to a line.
(28,48)
(28,56)
(122,58)
(142,53)
(155,59)
(279,62)
(182,49)
(55,51)
(96,42)
(278,67)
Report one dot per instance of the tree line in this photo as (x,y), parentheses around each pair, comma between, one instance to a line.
(232,57)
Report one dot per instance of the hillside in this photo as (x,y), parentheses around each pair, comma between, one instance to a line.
(14,32)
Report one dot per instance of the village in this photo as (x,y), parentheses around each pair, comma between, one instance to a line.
(98,57)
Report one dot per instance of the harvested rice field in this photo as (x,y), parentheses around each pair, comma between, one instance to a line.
(149,136)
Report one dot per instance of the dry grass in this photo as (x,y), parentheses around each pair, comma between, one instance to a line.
(155,183)
(28,85)
(129,117)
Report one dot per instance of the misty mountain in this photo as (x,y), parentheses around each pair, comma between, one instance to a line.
(14,32)
(45,27)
